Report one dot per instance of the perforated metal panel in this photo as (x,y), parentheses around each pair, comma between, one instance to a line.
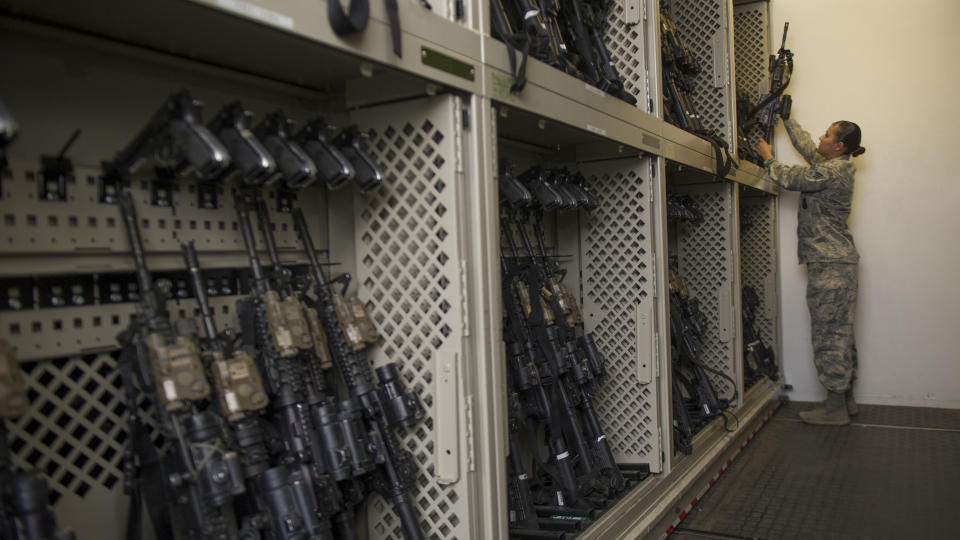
(705,259)
(618,294)
(703,25)
(82,224)
(627,46)
(751,40)
(75,432)
(409,269)
(83,240)
(758,262)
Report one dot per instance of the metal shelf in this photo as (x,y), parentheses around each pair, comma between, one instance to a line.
(290,49)
(292,42)
(287,40)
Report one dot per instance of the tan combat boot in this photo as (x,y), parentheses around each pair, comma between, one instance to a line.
(852,408)
(832,412)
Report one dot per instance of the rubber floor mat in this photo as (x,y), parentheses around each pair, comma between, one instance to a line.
(894,473)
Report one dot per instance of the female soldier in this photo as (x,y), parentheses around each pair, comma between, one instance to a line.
(826,247)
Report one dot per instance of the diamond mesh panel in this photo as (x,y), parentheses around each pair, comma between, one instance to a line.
(626,45)
(705,261)
(618,276)
(758,260)
(751,55)
(408,267)
(702,25)
(74,433)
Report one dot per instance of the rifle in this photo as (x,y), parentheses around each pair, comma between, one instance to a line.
(200,475)
(282,334)
(758,357)
(540,289)
(585,361)
(523,378)
(276,497)
(585,27)
(558,465)
(763,116)
(341,447)
(682,425)
(680,69)
(532,325)
(25,513)
(522,512)
(687,327)
(385,407)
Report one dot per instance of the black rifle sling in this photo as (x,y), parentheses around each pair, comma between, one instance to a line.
(514,41)
(344,24)
(720,150)
(148,484)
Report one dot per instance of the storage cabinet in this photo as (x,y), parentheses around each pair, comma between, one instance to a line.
(759,233)
(422,249)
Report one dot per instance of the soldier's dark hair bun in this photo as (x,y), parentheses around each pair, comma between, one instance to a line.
(849,135)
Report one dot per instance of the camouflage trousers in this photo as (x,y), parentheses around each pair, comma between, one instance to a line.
(832,301)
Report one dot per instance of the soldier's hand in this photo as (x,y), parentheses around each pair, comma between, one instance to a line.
(763,149)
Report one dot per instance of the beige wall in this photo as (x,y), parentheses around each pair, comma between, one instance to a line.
(891,67)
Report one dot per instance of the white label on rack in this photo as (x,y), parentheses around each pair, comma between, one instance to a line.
(595,90)
(595,129)
(256,12)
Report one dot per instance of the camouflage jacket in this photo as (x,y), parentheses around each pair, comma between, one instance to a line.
(826,188)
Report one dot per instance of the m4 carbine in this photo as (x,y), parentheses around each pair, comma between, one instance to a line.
(385,406)
(763,116)
(199,475)
(282,336)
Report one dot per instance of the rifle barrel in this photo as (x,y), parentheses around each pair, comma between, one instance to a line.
(243,216)
(144,280)
(200,292)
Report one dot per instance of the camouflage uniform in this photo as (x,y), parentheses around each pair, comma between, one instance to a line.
(826,247)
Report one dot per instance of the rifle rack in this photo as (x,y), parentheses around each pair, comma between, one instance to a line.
(422,247)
